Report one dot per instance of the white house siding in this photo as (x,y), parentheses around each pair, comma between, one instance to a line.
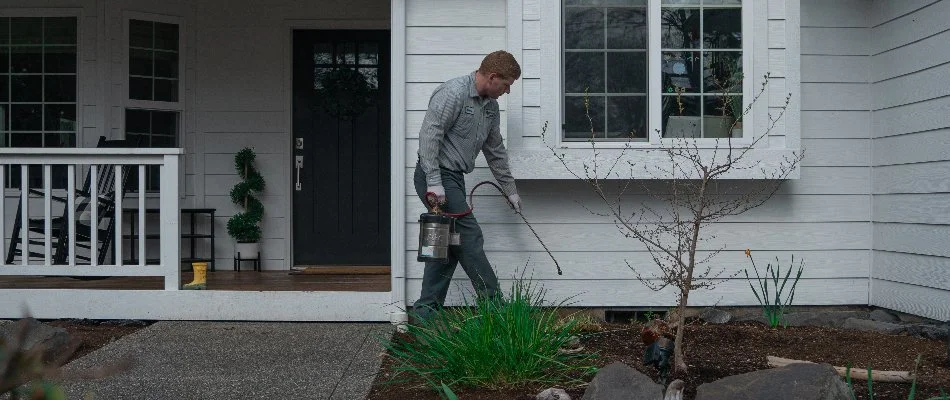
(822,217)
(910,96)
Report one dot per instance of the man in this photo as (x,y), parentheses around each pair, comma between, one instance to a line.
(462,119)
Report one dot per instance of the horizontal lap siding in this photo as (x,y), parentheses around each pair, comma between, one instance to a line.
(911,156)
(822,218)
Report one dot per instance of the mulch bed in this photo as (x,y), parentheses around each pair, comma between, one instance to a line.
(717,351)
(93,334)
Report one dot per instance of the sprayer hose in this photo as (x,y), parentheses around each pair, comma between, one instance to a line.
(432,199)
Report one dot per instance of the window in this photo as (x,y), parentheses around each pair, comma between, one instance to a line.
(153,109)
(153,61)
(606,69)
(151,129)
(38,59)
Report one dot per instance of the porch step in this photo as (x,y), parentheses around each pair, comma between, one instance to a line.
(340,270)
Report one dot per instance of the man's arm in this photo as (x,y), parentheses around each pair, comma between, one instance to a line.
(444,107)
(497,157)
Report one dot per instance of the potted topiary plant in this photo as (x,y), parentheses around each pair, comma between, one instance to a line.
(244,226)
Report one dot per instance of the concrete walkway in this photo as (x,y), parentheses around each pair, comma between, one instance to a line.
(237,360)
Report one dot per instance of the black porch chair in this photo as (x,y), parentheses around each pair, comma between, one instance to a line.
(105,224)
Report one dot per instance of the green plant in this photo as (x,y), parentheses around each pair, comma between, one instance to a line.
(245,226)
(913,386)
(493,343)
(447,393)
(773,305)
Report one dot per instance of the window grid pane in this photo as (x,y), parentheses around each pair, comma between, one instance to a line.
(38,61)
(151,129)
(605,61)
(701,68)
(153,61)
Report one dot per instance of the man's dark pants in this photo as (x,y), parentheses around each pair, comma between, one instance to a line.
(471,254)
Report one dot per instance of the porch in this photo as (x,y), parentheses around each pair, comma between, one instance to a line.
(218,280)
(61,220)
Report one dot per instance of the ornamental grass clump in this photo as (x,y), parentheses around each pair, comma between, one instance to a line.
(494,344)
(773,304)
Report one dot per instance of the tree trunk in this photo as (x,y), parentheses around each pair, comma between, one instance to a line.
(679,360)
(679,363)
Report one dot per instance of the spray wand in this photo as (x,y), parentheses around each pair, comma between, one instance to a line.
(433,201)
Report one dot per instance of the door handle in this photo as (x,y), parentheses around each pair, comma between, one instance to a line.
(298,164)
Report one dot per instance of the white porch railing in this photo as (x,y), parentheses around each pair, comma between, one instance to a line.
(56,247)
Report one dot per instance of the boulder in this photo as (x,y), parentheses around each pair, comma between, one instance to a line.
(796,381)
(872,326)
(715,316)
(618,381)
(751,318)
(125,322)
(929,331)
(55,341)
(553,394)
(880,315)
(830,319)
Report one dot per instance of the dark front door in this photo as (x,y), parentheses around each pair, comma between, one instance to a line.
(341,146)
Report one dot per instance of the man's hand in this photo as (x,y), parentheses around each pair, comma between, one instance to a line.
(439,193)
(515,202)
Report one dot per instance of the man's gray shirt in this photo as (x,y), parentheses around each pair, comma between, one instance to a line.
(457,125)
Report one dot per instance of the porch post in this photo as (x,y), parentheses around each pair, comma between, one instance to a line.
(398,314)
(170,216)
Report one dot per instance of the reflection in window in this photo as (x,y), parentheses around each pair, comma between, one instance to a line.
(701,67)
(329,56)
(38,58)
(605,70)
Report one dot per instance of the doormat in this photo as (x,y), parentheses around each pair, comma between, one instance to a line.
(340,270)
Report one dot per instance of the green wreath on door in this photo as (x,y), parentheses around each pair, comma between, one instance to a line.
(345,93)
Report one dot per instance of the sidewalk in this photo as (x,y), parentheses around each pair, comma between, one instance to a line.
(237,360)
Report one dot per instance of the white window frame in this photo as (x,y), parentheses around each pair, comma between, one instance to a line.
(654,97)
(80,68)
(127,103)
(150,105)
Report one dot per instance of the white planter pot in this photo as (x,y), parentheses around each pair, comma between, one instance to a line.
(247,250)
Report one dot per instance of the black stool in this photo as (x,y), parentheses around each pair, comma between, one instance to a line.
(256,261)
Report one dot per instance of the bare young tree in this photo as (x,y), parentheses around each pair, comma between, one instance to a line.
(698,187)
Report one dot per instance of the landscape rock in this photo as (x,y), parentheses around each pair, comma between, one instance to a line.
(928,331)
(715,316)
(675,390)
(830,319)
(796,381)
(125,322)
(751,317)
(618,381)
(880,315)
(55,341)
(872,326)
(553,394)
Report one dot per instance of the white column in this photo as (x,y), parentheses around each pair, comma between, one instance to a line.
(170,215)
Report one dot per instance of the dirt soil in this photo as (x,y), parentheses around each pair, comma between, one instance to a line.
(717,351)
(94,334)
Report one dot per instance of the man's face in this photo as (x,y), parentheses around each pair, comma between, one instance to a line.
(497,85)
